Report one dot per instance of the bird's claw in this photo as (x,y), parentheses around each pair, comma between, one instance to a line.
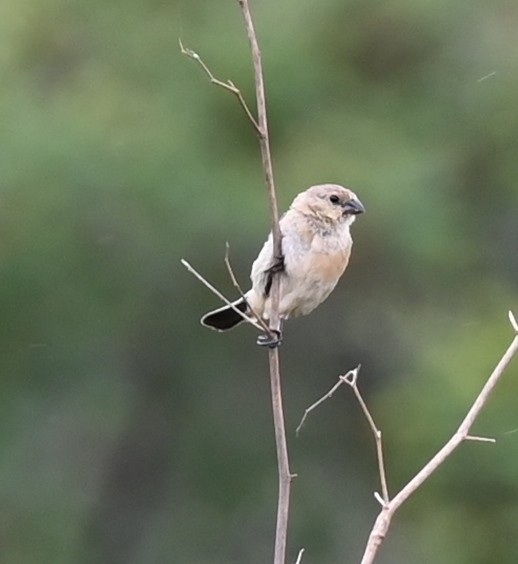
(271,341)
(278,264)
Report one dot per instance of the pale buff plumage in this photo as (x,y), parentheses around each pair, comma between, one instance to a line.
(316,246)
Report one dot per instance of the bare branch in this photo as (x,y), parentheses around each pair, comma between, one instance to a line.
(299,557)
(261,127)
(382,523)
(326,396)
(265,151)
(379,499)
(228,85)
(353,382)
(389,507)
(216,292)
(285,476)
(479,439)
(351,379)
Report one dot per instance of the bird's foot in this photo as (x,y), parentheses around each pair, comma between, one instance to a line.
(271,341)
(278,264)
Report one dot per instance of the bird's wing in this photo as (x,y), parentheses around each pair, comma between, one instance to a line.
(262,272)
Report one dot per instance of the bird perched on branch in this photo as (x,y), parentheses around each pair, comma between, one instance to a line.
(316,246)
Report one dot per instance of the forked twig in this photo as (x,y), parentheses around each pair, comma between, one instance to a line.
(228,85)
(390,506)
(325,397)
(216,292)
(351,379)
(382,523)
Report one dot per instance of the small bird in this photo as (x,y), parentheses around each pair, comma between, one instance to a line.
(316,246)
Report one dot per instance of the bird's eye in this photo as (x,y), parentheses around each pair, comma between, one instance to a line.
(334,199)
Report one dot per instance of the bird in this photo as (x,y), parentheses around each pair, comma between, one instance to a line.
(316,247)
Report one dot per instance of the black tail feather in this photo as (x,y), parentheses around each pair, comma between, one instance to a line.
(225,317)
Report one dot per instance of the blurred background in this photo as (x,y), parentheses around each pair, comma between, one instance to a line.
(129,433)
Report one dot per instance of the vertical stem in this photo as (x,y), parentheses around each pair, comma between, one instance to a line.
(281,532)
(263,127)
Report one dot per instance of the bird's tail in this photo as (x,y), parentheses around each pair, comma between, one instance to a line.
(225,317)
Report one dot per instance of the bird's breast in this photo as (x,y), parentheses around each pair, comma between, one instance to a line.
(323,257)
(327,267)
(309,281)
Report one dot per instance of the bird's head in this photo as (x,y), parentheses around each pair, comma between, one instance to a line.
(329,203)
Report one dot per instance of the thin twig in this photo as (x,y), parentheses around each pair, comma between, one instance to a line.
(263,130)
(232,275)
(485,77)
(476,438)
(285,476)
(382,523)
(325,397)
(216,292)
(353,382)
(228,85)
(379,499)
(351,379)
(299,557)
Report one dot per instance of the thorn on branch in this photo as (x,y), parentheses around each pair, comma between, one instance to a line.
(479,439)
(380,500)
(299,557)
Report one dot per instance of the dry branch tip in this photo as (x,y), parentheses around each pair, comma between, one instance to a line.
(226,85)
(479,439)
(513,321)
(351,377)
(188,52)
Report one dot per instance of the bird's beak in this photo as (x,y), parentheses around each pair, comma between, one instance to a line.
(353,207)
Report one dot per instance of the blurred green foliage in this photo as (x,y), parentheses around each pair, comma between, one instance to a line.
(128,433)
